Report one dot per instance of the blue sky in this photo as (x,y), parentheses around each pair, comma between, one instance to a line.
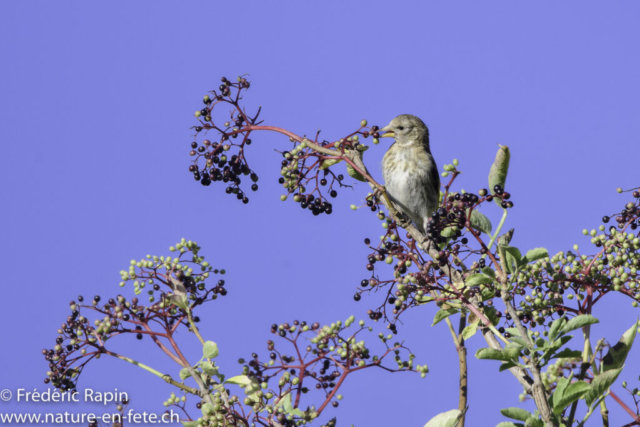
(98,99)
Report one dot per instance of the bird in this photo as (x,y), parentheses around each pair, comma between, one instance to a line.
(410,173)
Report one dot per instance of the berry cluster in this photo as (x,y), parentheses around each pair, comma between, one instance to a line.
(306,173)
(172,286)
(219,165)
(322,365)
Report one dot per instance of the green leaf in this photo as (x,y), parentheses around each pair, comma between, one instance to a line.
(552,347)
(535,254)
(184,374)
(573,392)
(478,279)
(285,402)
(509,424)
(556,327)
(513,331)
(424,298)
(355,174)
(513,258)
(518,340)
(469,331)
(490,312)
(210,350)
(561,386)
(449,231)
(506,238)
(499,170)
(445,419)
(618,353)
(507,365)
(601,384)
(443,314)
(489,272)
(567,353)
(190,423)
(241,380)
(578,322)
(506,355)
(207,409)
(514,252)
(480,222)
(516,413)
(329,162)
(534,421)
(181,301)
(209,369)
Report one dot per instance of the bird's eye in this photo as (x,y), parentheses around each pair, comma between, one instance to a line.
(400,127)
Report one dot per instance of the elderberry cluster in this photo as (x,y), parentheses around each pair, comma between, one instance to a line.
(233,135)
(163,279)
(330,355)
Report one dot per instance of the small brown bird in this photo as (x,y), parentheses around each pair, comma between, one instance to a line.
(410,173)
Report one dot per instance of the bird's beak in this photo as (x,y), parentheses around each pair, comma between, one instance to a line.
(388,133)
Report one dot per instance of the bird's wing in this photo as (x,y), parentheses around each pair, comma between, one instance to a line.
(435,179)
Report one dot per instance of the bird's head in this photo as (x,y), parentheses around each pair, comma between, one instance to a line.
(407,130)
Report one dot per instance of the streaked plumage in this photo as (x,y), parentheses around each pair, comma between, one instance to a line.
(409,170)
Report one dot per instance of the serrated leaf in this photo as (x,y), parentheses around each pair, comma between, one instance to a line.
(469,331)
(561,386)
(478,279)
(209,369)
(355,174)
(329,162)
(601,384)
(184,374)
(535,254)
(513,258)
(516,413)
(572,393)
(480,222)
(578,322)
(618,353)
(518,340)
(499,170)
(552,347)
(489,272)
(443,314)
(241,380)
(445,419)
(506,355)
(210,350)
(556,327)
